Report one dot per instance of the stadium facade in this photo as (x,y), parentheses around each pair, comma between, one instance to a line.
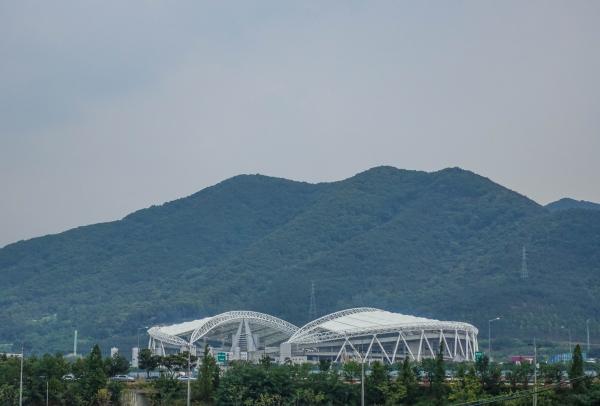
(363,334)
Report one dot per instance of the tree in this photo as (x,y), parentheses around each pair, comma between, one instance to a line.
(265,361)
(167,390)
(482,366)
(523,371)
(467,387)
(408,378)
(428,370)
(116,365)
(176,362)
(351,370)
(377,383)
(324,365)
(8,394)
(576,373)
(438,386)
(148,361)
(94,376)
(208,382)
(103,397)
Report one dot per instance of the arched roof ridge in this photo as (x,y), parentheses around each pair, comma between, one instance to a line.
(227,317)
(311,325)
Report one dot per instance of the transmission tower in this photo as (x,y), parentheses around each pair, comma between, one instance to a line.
(524,271)
(312,309)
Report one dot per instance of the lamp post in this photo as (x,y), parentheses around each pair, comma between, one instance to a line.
(490,335)
(570,343)
(362,381)
(189,375)
(587,331)
(138,335)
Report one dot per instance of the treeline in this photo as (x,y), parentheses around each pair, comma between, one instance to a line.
(82,382)
(430,382)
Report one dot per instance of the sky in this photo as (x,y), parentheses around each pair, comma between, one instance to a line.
(107,107)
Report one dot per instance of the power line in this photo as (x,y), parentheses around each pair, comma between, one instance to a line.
(520,394)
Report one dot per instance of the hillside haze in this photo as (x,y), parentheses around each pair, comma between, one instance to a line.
(445,245)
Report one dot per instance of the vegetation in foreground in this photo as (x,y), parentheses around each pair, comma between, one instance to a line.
(430,382)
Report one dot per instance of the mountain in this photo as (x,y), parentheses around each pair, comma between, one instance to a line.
(446,245)
(566,203)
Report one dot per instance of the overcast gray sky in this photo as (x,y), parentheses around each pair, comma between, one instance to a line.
(111,106)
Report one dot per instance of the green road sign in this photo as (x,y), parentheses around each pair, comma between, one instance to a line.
(222,357)
(478,356)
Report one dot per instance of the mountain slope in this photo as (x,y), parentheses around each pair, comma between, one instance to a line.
(566,203)
(445,244)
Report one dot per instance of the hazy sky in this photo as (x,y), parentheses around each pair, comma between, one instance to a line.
(108,107)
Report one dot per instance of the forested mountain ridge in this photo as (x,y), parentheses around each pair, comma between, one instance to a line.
(445,244)
(567,203)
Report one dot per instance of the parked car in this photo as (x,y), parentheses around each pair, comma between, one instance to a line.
(69,377)
(122,378)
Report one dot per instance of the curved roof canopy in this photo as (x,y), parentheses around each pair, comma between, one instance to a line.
(222,326)
(366,321)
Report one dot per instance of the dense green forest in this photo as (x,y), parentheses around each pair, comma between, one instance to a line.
(445,245)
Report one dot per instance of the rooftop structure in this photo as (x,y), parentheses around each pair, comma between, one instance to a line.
(238,332)
(362,333)
(369,333)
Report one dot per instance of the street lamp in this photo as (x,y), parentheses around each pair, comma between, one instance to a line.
(138,335)
(570,343)
(490,336)
(587,330)
(189,374)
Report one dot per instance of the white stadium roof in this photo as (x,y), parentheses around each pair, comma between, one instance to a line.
(364,321)
(223,325)
(184,328)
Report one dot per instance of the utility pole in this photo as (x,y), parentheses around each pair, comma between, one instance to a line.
(490,336)
(46,391)
(21,379)
(534,373)
(189,375)
(362,382)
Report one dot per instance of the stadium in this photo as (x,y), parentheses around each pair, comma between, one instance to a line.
(363,334)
